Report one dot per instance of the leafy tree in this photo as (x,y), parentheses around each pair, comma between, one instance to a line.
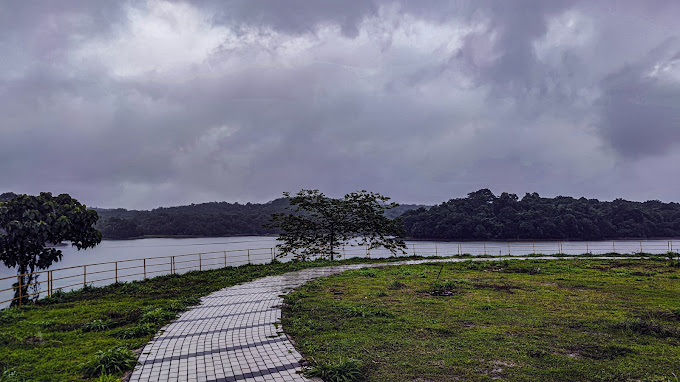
(318,225)
(28,224)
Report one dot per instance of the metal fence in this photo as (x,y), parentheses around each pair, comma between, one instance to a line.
(99,274)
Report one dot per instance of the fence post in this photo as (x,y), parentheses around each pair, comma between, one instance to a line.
(641,247)
(248,256)
(613,247)
(587,249)
(172,265)
(271,251)
(200,262)
(225,259)
(459,249)
(344,255)
(21,294)
(533,247)
(49,283)
(436,252)
(144,269)
(84,276)
(414,249)
(116,276)
(508,248)
(484,249)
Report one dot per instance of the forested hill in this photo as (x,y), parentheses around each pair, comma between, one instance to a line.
(205,219)
(484,216)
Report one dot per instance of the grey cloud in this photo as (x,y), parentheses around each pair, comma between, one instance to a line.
(417,126)
(641,112)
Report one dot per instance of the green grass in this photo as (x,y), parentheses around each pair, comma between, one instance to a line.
(61,338)
(533,320)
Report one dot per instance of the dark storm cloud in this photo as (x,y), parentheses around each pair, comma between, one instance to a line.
(140,104)
(641,106)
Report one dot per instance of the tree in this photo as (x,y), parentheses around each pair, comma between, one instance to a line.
(29,223)
(318,225)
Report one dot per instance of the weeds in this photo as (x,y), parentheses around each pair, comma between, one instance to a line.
(97,325)
(345,370)
(112,361)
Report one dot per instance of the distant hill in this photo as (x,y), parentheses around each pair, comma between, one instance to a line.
(484,216)
(205,219)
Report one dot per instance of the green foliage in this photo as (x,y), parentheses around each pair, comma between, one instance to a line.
(157,315)
(317,225)
(29,223)
(10,315)
(396,284)
(484,216)
(137,331)
(112,361)
(96,325)
(107,378)
(10,375)
(345,370)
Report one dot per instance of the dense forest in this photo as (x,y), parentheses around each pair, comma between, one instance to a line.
(479,216)
(485,216)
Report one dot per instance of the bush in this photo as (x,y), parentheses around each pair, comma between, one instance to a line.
(157,316)
(11,315)
(396,285)
(345,370)
(137,331)
(112,361)
(10,375)
(96,325)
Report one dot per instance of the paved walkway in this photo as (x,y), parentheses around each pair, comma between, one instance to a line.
(233,335)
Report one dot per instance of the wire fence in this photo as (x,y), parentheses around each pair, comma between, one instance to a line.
(98,274)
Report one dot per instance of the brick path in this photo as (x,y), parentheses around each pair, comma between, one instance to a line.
(232,336)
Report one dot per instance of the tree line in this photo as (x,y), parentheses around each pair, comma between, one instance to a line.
(484,216)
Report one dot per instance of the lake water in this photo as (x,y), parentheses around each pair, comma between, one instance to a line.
(122,260)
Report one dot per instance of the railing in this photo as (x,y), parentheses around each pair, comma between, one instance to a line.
(126,270)
(98,274)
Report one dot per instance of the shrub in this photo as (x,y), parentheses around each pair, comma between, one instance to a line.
(10,375)
(96,325)
(11,315)
(345,370)
(112,361)
(396,284)
(107,378)
(367,272)
(157,316)
(137,331)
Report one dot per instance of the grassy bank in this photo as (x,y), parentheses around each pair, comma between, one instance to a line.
(60,338)
(534,320)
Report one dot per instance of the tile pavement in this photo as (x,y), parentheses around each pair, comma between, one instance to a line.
(232,336)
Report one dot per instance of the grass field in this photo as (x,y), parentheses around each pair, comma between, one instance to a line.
(54,339)
(533,320)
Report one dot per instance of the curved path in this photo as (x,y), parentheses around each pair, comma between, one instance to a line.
(234,335)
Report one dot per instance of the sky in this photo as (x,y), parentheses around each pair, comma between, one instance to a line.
(156,103)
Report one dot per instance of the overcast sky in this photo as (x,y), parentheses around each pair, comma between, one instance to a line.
(145,104)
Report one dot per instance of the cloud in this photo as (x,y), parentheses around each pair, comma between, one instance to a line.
(166,102)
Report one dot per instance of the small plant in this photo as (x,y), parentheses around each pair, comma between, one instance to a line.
(396,284)
(345,370)
(112,361)
(56,297)
(367,272)
(381,293)
(10,375)
(157,316)
(363,311)
(11,315)
(141,330)
(107,378)
(96,325)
